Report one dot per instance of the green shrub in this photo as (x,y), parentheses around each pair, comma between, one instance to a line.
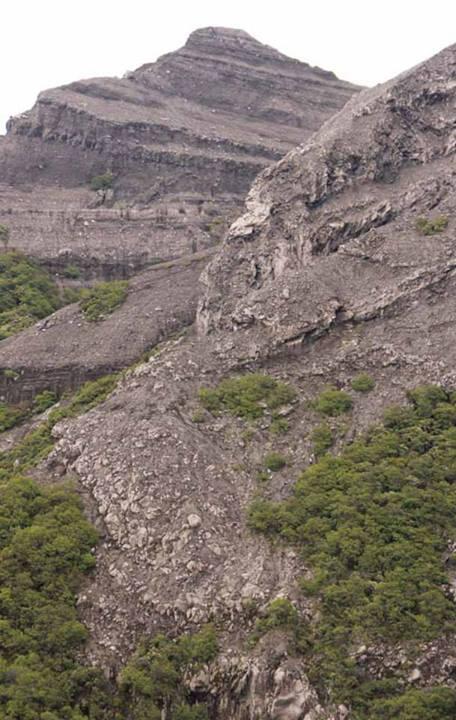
(11,374)
(247,396)
(103,299)
(44,400)
(274,461)
(279,426)
(102,182)
(27,293)
(72,272)
(153,677)
(418,704)
(10,416)
(322,438)
(332,402)
(373,524)
(280,613)
(363,383)
(432,226)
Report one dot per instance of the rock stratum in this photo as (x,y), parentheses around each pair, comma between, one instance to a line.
(183,137)
(343,262)
(328,273)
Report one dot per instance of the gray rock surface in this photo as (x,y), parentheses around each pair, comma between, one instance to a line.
(325,275)
(184,137)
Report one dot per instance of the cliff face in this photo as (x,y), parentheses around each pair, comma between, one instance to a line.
(335,268)
(183,137)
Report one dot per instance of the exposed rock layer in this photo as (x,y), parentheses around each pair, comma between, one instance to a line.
(184,138)
(326,275)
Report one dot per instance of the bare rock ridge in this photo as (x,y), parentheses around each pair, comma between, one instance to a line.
(183,137)
(326,274)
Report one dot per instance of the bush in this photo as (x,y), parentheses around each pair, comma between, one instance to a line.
(418,704)
(373,524)
(10,416)
(103,299)
(274,461)
(72,272)
(363,383)
(153,677)
(332,402)
(322,438)
(280,613)
(432,226)
(247,396)
(44,400)
(27,293)
(102,182)
(279,426)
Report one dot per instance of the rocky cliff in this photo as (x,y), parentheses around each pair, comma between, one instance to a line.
(183,138)
(344,262)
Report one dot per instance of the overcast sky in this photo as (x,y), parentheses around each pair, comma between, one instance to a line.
(46,43)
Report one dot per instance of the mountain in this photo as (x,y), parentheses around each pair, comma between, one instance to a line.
(280,475)
(340,272)
(176,143)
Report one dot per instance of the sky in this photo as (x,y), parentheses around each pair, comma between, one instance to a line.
(46,43)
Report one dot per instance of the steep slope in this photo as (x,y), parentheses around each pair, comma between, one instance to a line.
(183,138)
(343,263)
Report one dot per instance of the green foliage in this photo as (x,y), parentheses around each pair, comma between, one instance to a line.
(322,438)
(247,396)
(153,678)
(72,272)
(430,704)
(332,402)
(27,293)
(103,299)
(37,443)
(432,226)
(373,524)
(44,400)
(279,426)
(45,550)
(363,383)
(102,182)
(10,416)
(11,374)
(280,613)
(4,235)
(274,461)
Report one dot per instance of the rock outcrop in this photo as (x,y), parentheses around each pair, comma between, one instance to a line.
(183,137)
(328,273)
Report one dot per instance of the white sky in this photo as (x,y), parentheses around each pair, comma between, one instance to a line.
(45,43)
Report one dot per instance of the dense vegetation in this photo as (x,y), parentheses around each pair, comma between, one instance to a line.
(247,396)
(27,293)
(103,299)
(152,681)
(374,524)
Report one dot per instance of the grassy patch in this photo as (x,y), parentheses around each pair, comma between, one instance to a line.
(103,299)
(363,383)
(27,293)
(432,226)
(373,524)
(274,461)
(332,402)
(247,396)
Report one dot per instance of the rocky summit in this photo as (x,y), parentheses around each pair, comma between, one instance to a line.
(281,473)
(178,142)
